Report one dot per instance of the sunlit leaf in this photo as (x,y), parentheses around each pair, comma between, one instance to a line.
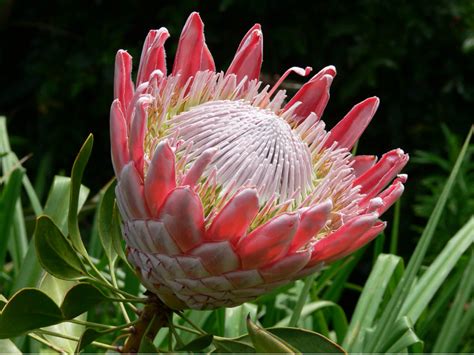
(235,323)
(8,347)
(56,289)
(55,253)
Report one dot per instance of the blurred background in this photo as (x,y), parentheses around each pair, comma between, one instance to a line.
(57,62)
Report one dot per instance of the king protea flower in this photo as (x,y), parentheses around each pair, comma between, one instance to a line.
(228,191)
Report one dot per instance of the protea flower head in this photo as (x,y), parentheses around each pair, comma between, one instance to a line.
(226,190)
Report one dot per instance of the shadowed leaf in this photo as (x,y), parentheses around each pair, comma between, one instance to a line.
(28,309)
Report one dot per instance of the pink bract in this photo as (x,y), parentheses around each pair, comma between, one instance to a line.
(225,191)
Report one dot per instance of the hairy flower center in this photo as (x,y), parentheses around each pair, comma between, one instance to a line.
(255,147)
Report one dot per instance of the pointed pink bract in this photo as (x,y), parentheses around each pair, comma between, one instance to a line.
(351,127)
(248,59)
(192,54)
(153,55)
(160,178)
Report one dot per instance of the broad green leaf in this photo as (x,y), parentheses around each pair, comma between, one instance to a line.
(224,345)
(433,278)
(81,298)
(56,289)
(306,341)
(450,335)
(392,312)
(8,347)
(55,253)
(76,178)
(235,324)
(370,299)
(8,200)
(57,204)
(87,338)
(198,344)
(56,207)
(106,220)
(28,309)
(266,342)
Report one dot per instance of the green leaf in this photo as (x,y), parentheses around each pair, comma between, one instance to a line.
(370,299)
(306,341)
(56,205)
(76,178)
(19,243)
(8,347)
(198,344)
(28,309)
(106,220)
(224,345)
(401,337)
(81,298)
(58,201)
(392,312)
(450,335)
(266,342)
(56,289)
(433,278)
(117,240)
(408,340)
(235,324)
(55,253)
(87,338)
(8,200)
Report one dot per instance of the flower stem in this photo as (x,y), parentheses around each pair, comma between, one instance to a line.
(154,316)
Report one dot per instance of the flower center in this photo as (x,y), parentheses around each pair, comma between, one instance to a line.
(255,147)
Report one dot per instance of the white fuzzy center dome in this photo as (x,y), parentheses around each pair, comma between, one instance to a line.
(255,147)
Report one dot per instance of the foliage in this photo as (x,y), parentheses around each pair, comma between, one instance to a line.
(83,302)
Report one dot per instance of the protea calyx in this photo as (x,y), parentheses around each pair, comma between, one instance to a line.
(226,189)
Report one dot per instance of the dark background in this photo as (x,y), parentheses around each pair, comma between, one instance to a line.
(56,62)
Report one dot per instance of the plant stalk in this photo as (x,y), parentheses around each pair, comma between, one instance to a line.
(155,315)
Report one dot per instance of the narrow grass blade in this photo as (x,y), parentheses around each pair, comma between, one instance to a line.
(392,311)
(449,336)
(432,279)
(370,300)
(8,200)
